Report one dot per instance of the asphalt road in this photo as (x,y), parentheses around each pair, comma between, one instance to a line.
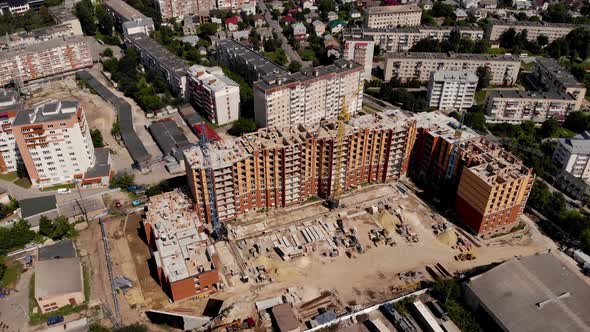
(276,27)
(13,307)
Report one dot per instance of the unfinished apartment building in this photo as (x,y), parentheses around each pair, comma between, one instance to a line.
(186,262)
(488,186)
(407,66)
(282,167)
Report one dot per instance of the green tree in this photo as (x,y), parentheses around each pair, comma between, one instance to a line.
(122,180)
(105,21)
(134,328)
(85,13)
(294,66)
(2,268)
(96,327)
(484,77)
(542,40)
(241,126)
(557,13)
(208,29)
(577,121)
(96,138)
(108,52)
(549,128)
(475,120)
(46,227)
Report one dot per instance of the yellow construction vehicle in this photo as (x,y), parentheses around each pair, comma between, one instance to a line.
(343,118)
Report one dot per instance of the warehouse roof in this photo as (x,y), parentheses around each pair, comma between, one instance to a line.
(285,317)
(534,293)
(58,276)
(58,250)
(33,206)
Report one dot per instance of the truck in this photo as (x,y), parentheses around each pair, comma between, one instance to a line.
(54,320)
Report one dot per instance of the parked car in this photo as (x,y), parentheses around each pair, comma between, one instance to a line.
(137,190)
(63,191)
(53,320)
(136,202)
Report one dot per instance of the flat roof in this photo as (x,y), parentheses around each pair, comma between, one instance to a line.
(36,205)
(58,250)
(577,144)
(285,317)
(519,94)
(212,77)
(46,45)
(62,13)
(559,73)
(532,24)
(165,58)
(56,110)
(534,293)
(58,276)
(101,166)
(451,56)
(124,10)
(377,10)
(168,136)
(455,76)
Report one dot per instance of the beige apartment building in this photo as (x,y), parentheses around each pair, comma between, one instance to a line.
(552,31)
(515,106)
(393,16)
(554,77)
(360,50)
(54,142)
(407,66)
(54,57)
(310,95)
(280,167)
(403,39)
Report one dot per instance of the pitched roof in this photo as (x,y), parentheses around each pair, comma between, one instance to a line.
(285,317)
(232,20)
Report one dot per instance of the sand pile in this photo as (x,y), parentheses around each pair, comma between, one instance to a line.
(448,237)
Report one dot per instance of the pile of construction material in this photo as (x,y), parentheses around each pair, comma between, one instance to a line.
(410,275)
(348,238)
(403,229)
(381,236)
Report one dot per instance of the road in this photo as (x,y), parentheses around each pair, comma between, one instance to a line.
(276,27)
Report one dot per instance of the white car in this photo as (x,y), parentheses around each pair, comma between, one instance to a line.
(63,191)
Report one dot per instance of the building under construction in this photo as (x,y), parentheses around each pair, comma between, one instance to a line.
(282,167)
(285,166)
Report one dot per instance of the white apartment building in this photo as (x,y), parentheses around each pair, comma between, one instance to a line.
(308,96)
(515,106)
(403,39)
(407,66)
(360,50)
(180,8)
(573,155)
(452,90)
(552,31)
(393,16)
(9,108)
(214,94)
(234,5)
(54,57)
(554,77)
(54,142)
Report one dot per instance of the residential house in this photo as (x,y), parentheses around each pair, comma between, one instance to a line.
(319,27)
(332,16)
(488,4)
(461,14)
(288,19)
(259,21)
(231,23)
(299,32)
(336,26)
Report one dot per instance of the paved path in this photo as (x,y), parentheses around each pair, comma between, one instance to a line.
(11,308)
(276,27)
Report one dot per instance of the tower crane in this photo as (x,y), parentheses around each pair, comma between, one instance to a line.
(343,118)
(204,144)
(454,149)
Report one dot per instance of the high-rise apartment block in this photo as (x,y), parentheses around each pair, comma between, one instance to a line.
(552,31)
(54,57)
(573,155)
(310,95)
(64,15)
(54,142)
(156,57)
(179,9)
(234,5)
(214,94)
(9,108)
(554,77)
(393,16)
(360,50)
(452,90)
(185,261)
(488,186)
(419,66)
(252,66)
(515,106)
(403,39)
(280,167)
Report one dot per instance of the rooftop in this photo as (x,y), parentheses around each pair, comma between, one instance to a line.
(532,24)
(285,318)
(444,126)
(47,112)
(577,144)
(451,56)
(58,276)
(33,206)
(62,13)
(165,58)
(124,10)
(454,76)
(250,58)
(182,246)
(212,77)
(58,250)
(492,163)
(139,22)
(7,97)
(534,293)
(558,72)
(519,94)
(101,166)
(377,10)
(45,45)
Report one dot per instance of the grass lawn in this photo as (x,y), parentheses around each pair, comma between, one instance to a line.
(307,54)
(60,186)
(480,96)
(498,50)
(9,176)
(564,132)
(12,274)
(23,182)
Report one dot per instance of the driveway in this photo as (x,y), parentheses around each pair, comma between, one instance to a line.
(276,27)
(14,308)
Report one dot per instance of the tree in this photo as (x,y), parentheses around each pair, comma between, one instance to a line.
(542,40)
(557,13)
(46,226)
(2,269)
(122,180)
(105,21)
(440,9)
(96,138)
(108,52)
(241,126)
(134,328)
(85,13)
(475,120)
(294,66)
(549,128)
(577,122)
(96,327)
(208,29)
(281,56)
(558,48)
(484,77)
